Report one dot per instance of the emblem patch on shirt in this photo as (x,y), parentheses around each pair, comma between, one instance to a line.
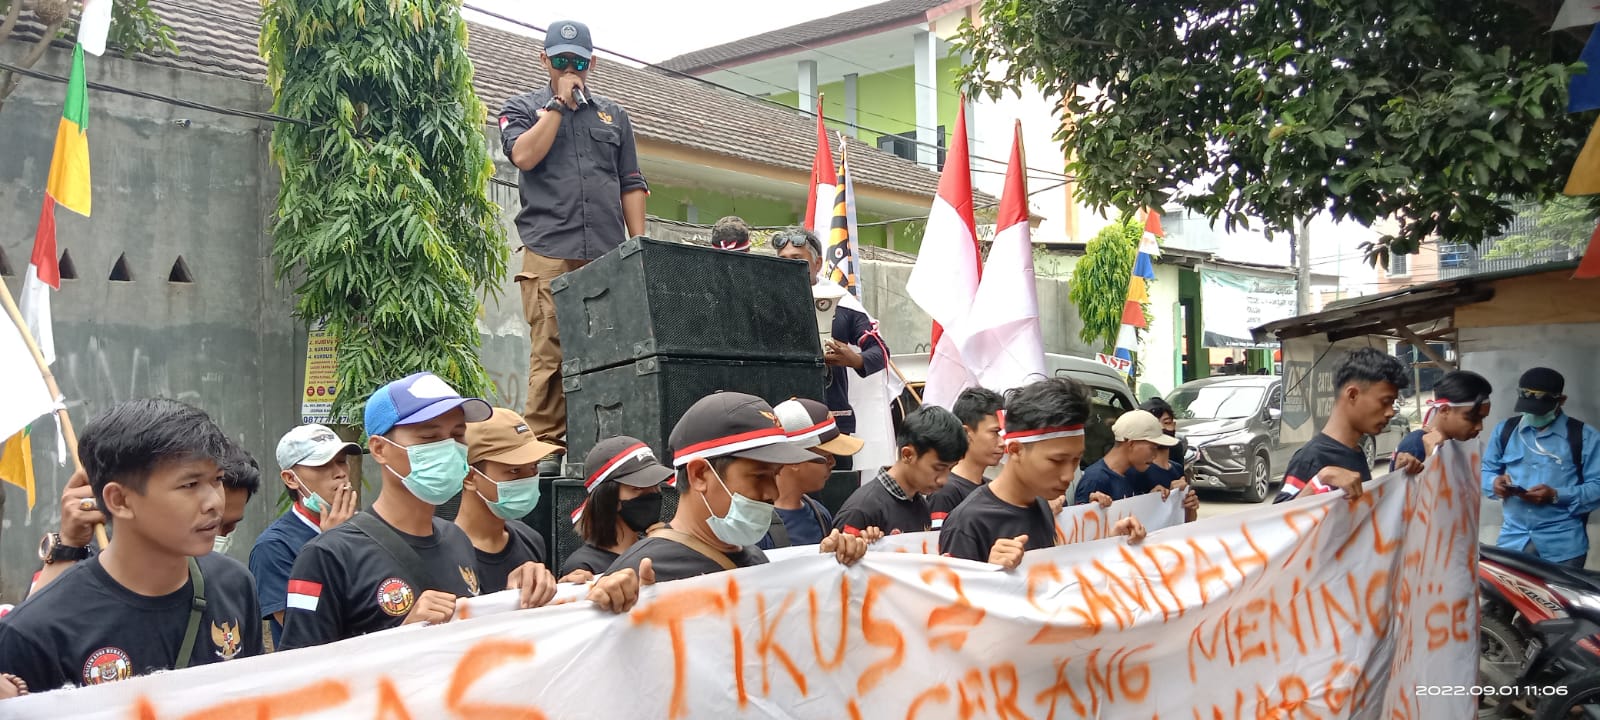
(226,638)
(604,116)
(471,576)
(108,664)
(395,596)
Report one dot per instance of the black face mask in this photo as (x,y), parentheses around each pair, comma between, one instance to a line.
(1171,433)
(641,512)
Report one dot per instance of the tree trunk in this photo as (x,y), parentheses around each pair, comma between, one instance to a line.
(10,80)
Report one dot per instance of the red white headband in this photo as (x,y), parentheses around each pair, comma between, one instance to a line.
(1435,404)
(729,445)
(1043,434)
(815,432)
(604,473)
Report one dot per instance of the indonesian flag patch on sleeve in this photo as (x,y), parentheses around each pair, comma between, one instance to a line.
(504,121)
(304,594)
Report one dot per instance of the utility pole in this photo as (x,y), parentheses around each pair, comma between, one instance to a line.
(1302,285)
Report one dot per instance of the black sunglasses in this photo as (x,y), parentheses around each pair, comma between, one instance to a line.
(780,242)
(561,62)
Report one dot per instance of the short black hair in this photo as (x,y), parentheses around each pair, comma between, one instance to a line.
(730,232)
(1462,386)
(240,471)
(1049,403)
(975,404)
(1370,365)
(1158,407)
(127,441)
(933,428)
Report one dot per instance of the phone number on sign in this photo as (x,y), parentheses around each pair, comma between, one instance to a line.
(1492,690)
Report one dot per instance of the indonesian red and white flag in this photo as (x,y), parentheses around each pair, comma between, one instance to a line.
(44,274)
(945,279)
(1001,340)
(819,206)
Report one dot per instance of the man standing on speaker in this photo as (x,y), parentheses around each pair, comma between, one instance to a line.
(582,195)
(728,449)
(852,329)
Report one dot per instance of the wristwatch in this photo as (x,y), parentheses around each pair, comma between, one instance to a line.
(554,105)
(52,551)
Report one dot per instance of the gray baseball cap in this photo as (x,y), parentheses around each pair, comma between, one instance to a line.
(568,37)
(312,445)
(733,424)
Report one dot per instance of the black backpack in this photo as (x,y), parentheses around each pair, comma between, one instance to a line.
(1574,439)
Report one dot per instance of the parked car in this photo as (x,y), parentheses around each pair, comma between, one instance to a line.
(1234,428)
(1107,388)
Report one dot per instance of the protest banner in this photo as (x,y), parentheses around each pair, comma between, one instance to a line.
(1322,607)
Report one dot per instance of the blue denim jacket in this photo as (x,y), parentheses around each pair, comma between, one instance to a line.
(1557,529)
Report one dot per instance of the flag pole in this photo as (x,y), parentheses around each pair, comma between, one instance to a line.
(67,433)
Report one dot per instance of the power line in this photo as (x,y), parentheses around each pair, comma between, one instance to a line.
(756,98)
(180,102)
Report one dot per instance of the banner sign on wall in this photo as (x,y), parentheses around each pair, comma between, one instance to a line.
(1234,303)
(1322,607)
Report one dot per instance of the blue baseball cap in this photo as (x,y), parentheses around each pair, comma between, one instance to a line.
(418,398)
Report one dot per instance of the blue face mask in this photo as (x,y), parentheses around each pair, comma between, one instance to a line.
(311,500)
(517,498)
(1540,421)
(437,469)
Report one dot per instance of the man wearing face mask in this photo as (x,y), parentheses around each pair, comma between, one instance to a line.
(502,486)
(728,449)
(397,564)
(314,465)
(1545,468)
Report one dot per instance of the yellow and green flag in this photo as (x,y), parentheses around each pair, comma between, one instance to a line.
(69,168)
(16,463)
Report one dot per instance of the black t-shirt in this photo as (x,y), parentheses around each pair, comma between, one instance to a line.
(1412,444)
(872,505)
(1323,451)
(983,518)
(345,584)
(945,499)
(524,546)
(674,561)
(589,557)
(1101,478)
(86,629)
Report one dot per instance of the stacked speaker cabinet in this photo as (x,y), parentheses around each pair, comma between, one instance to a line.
(654,326)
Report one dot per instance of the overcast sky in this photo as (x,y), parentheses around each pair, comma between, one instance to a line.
(660,29)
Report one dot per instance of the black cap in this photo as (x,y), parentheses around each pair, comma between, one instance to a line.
(733,424)
(625,460)
(1539,391)
(568,37)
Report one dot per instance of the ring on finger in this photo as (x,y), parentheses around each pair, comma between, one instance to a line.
(86,504)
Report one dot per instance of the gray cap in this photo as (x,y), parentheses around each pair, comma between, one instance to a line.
(312,445)
(568,37)
(730,424)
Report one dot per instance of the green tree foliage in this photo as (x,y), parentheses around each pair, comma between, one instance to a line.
(1099,284)
(135,27)
(383,215)
(1562,224)
(1434,113)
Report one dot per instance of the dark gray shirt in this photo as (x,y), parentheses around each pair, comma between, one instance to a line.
(572,200)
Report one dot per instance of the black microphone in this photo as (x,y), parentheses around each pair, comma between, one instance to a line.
(579,97)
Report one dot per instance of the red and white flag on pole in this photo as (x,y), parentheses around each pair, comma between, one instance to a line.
(945,279)
(819,206)
(1001,340)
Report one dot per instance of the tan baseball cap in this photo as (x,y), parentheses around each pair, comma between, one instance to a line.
(505,438)
(1141,425)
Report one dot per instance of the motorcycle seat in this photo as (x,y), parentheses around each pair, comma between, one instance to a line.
(1536,567)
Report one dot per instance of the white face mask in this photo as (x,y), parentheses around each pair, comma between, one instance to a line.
(222,543)
(747,520)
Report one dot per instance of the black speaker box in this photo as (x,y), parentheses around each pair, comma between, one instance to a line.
(644,399)
(650,297)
